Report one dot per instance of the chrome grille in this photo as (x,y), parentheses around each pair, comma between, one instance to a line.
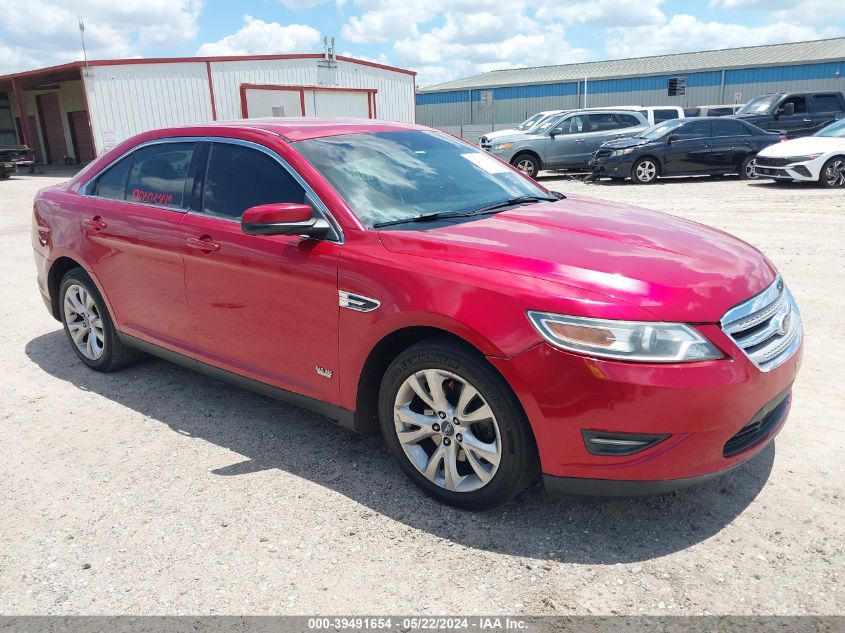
(767,327)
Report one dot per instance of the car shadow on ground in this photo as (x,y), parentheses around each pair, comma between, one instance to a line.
(273,435)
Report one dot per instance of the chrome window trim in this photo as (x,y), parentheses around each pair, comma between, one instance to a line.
(321,207)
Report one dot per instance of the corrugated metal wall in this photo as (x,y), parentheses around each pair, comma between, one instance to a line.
(511,105)
(394,99)
(128,99)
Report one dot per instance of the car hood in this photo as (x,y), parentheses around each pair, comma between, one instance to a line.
(516,136)
(677,269)
(500,134)
(804,146)
(622,143)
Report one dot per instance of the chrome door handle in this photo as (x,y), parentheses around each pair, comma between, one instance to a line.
(204,243)
(95,223)
(808,120)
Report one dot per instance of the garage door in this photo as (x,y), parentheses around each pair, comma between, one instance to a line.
(296,101)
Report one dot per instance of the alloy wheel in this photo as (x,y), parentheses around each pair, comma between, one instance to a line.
(750,167)
(447,430)
(84,322)
(646,171)
(834,173)
(526,166)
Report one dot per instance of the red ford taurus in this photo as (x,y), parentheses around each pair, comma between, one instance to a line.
(394,277)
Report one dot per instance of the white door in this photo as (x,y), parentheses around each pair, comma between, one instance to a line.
(264,102)
(345,103)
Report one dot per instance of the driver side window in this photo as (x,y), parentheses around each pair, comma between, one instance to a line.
(800,104)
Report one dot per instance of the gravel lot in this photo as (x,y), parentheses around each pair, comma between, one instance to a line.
(158,491)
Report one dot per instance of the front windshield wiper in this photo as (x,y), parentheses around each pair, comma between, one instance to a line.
(489,208)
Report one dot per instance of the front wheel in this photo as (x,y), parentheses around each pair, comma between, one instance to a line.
(747,168)
(454,426)
(88,325)
(528,164)
(645,171)
(833,173)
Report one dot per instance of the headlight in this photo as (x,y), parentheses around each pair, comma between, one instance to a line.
(639,341)
(622,152)
(803,159)
(502,146)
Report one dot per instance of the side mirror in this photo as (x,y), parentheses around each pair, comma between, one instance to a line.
(789,109)
(283,218)
(672,138)
(554,133)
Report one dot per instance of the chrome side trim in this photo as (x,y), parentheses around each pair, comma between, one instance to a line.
(356,302)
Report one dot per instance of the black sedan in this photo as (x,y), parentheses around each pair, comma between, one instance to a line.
(684,147)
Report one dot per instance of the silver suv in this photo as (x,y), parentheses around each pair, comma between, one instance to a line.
(568,141)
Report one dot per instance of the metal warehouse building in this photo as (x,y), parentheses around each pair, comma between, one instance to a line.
(502,98)
(75,111)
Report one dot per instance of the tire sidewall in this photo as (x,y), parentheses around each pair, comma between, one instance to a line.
(516,465)
(79,277)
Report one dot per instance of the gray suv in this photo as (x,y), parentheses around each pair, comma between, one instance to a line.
(567,141)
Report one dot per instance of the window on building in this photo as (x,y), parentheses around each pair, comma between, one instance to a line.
(677,86)
(158,174)
(241,177)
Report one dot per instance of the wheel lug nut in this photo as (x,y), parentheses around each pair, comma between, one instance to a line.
(456,421)
(435,427)
(442,415)
(447,441)
(459,437)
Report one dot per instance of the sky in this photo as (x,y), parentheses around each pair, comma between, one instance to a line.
(440,39)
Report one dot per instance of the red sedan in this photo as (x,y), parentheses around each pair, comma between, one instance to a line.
(395,278)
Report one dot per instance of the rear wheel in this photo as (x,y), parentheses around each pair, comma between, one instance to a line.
(833,173)
(746,169)
(454,426)
(88,325)
(645,171)
(527,163)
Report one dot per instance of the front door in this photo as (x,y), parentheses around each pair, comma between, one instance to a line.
(567,144)
(796,124)
(131,235)
(689,150)
(264,307)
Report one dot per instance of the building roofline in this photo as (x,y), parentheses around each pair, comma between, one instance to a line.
(491,73)
(198,59)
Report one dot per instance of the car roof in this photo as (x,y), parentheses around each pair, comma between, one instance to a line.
(303,128)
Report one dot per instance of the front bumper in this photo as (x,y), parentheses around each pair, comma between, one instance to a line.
(700,406)
(619,167)
(808,171)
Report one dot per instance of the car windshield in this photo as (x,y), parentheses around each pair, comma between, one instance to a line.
(660,130)
(390,176)
(836,130)
(758,105)
(530,122)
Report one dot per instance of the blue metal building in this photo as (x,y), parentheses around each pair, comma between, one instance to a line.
(501,98)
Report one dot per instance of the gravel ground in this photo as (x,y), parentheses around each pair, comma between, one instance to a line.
(158,491)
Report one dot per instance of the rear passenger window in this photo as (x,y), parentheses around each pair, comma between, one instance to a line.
(628,120)
(158,174)
(664,115)
(240,177)
(825,103)
(729,128)
(603,122)
(112,183)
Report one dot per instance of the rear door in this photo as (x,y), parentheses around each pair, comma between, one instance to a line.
(690,151)
(731,143)
(264,307)
(601,127)
(131,240)
(827,107)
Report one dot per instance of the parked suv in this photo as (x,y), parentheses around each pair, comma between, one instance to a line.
(653,114)
(395,278)
(568,141)
(526,126)
(712,110)
(794,113)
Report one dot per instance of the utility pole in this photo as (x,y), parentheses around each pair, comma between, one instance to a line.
(82,37)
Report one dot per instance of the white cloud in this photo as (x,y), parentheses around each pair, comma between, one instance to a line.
(688,33)
(815,12)
(45,32)
(257,37)
(603,12)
